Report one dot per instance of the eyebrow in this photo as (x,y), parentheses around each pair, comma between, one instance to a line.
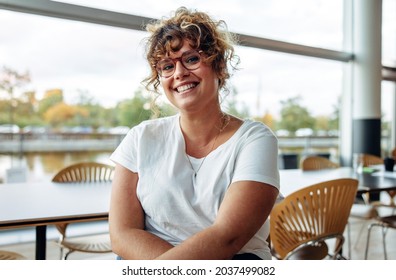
(180,55)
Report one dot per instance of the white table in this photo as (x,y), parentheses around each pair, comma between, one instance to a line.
(45,203)
(294,179)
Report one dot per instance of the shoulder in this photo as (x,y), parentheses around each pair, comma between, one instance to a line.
(155,126)
(254,128)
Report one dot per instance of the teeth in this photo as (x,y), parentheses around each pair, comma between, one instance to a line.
(185,87)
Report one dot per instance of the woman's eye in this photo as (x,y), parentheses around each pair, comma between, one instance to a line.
(192,59)
(167,67)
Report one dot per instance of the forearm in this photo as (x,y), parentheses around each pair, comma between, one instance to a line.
(129,240)
(137,244)
(210,243)
(232,228)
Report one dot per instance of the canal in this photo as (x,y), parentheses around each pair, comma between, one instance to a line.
(42,166)
(44,154)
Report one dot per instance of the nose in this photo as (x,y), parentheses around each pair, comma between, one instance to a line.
(180,70)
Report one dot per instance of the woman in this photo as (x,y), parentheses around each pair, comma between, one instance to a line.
(200,184)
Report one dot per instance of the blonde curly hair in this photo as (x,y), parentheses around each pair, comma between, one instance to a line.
(202,32)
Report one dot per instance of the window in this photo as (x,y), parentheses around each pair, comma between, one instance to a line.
(388,32)
(104,62)
(265,78)
(309,22)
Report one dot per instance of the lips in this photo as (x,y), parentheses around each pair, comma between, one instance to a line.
(185,87)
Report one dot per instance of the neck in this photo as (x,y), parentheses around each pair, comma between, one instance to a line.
(200,134)
(202,127)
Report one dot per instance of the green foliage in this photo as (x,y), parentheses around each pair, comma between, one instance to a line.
(133,111)
(11,80)
(295,116)
(51,110)
(334,119)
(230,104)
(50,99)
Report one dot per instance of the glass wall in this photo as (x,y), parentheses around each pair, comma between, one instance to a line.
(266,78)
(309,22)
(389,32)
(388,89)
(106,64)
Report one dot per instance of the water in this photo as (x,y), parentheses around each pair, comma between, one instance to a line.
(43,166)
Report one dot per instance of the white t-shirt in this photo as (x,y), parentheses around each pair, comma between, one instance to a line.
(178,206)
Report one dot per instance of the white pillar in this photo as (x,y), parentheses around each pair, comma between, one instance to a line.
(361,111)
(393,119)
(367,64)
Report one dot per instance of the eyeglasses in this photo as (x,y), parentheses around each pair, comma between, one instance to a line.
(190,60)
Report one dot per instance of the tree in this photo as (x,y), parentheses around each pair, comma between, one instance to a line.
(50,99)
(62,113)
(229,103)
(334,121)
(133,111)
(84,98)
(295,116)
(10,80)
(268,119)
(95,116)
(322,123)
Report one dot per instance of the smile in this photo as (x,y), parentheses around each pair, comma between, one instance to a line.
(186,87)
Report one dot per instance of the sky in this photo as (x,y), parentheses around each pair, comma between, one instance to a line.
(108,63)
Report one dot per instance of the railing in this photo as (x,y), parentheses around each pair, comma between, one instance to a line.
(43,142)
(47,142)
(309,142)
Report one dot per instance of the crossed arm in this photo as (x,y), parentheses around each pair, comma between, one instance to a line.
(246,206)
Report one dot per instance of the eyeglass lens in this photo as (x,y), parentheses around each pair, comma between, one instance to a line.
(189,59)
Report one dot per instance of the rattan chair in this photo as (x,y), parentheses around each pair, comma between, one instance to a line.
(7,255)
(387,222)
(303,221)
(366,211)
(85,172)
(374,160)
(393,153)
(317,163)
(368,160)
(80,173)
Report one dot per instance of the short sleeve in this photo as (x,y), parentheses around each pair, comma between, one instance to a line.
(258,156)
(126,152)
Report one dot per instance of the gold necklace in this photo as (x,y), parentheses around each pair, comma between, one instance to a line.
(226,120)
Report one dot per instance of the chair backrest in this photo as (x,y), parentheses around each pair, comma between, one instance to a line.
(314,213)
(317,163)
(7,255)
(85,172)
(368,159)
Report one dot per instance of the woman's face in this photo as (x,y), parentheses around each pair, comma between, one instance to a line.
(191,90)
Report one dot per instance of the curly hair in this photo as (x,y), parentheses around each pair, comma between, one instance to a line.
(202,32)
